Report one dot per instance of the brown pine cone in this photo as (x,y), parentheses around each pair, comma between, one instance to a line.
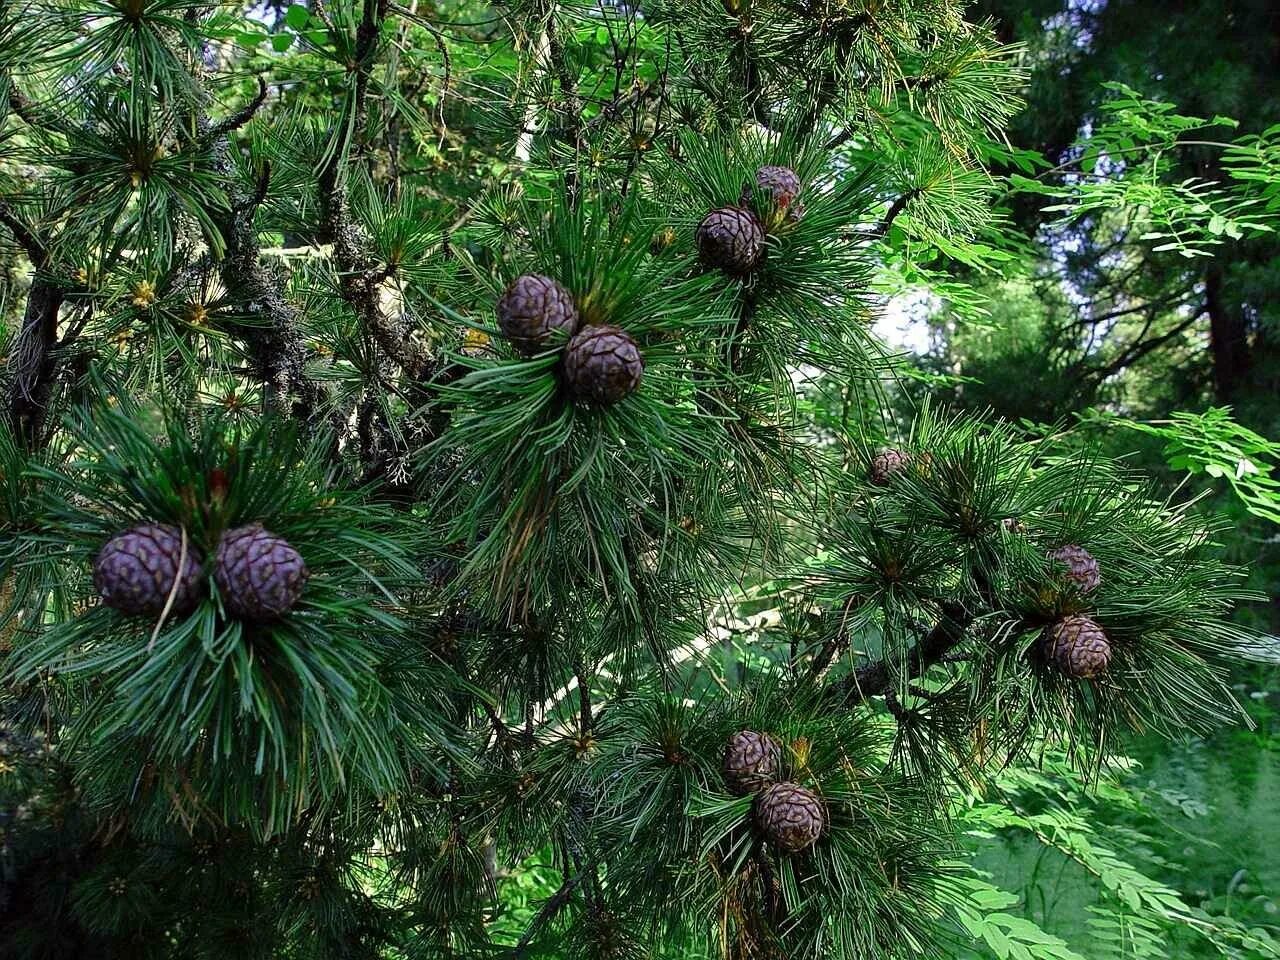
(532,308)
(602,364)
(887,464)
(135,570)
(731,239)
(782,184)
(259,575)
(1079,647)
(751,761)
(1082,569)
(790,817)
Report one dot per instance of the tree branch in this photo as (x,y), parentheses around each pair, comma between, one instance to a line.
(237,119)
(31,365)
(26,237)
(878,678)
(553,905)
(896,208)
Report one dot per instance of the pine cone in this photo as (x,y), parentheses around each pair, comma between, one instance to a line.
(1082,569)
(135,570)
(1079,647)
(258,574)
(886,464)
(532,307)
(602,364)
(751,761)
(790,817)
(731,239)
(782,184)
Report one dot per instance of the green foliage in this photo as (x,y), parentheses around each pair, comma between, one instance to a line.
(1108,834)
(310,699)
(1214,444)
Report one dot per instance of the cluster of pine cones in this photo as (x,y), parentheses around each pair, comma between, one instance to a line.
(259,575)
(602,363)
(790,817)
(732,239)
(1076,644)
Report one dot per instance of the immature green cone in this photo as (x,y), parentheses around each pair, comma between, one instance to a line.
(790,817)
(783,185)
(259,575)
(532,308)
(1082,568)
(887,464)
(602,365)
(731,239)
(134,572)
(751,761)
(1079,647)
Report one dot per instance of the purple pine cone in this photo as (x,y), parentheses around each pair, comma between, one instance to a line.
(887,464)
(135,570)
(751,761)
(603,364)
(1082,569)
(258,574)
(532,307)
(782,184)
(731,239)
(790,817)
(1079,647)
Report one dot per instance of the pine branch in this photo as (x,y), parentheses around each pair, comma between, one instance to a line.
(584,699)
(895,209)
(25,110)
(26,237)
(360,277)
(279,356)
(237,119)
(568,86)
(880,677)
(837,643)
(33,372)
(553,905)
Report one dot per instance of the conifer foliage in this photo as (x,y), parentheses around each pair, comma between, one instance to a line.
(399,398)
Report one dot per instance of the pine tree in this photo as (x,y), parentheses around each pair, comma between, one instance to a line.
(403,398)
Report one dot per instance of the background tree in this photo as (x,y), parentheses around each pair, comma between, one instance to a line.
(399,402)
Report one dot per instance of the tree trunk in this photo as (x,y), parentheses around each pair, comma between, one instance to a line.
(1228,340)
(31,366)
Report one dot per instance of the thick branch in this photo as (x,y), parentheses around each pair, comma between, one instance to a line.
(277,352)
(31,366)
(895,209)
(237,119)
(879,678)
(30,243)
(553,905)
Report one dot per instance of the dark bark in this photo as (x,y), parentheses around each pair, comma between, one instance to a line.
(276,350)
(878,678)
(33,372)
(1228,336)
